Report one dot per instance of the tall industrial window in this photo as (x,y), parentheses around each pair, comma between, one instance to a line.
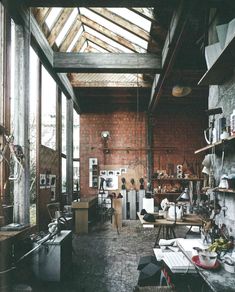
(48,112)
(34,83)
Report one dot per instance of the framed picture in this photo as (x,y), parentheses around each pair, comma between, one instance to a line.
(111,172)
(123,170)
(117,172)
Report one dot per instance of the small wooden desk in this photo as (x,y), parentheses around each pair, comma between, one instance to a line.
(82,213)
(168,225)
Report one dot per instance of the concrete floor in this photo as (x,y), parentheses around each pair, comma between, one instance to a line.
(105,261)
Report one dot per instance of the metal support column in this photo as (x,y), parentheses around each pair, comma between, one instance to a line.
(69,149)
(21,121)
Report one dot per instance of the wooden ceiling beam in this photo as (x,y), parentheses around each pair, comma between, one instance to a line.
(107,63)
(115,37)
(76,25)
(101,43)
(41,14)
(79,44)
(63,17)
(122,22)
(89,3)
(146,13)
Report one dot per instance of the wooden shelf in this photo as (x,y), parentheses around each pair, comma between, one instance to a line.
(222,67)
(225,191)
(218,145)
(176,179)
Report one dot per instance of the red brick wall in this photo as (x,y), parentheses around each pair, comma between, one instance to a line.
(182,129)
(126,130)
(173,127)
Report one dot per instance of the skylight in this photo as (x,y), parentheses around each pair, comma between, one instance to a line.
(116,29)
(66,27)
(51,18)
(132,17)
(107,40)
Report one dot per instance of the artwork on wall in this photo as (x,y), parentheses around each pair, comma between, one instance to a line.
(110,183)
(42,181)
(123,170)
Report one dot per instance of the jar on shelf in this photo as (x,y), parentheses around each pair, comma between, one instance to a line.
(232,123)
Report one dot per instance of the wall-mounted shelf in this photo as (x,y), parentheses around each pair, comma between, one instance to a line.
(218,146)
(231,191)
(176,179)
(222,67)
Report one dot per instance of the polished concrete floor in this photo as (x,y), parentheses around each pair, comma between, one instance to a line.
(103,260)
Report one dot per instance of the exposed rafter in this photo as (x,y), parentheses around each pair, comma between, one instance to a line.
(101,43)
(41,14)
(79,44)
(106,32)
(105,63)
(89,3)
(122,22)
(64,15)
(76,25)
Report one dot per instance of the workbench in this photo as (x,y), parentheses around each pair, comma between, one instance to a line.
(218,280)
(168,226)
(84,209)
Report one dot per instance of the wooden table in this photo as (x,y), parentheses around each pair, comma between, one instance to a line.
(218,280)
(82,209)
(168,226)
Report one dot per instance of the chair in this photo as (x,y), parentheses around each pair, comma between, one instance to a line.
(54,210)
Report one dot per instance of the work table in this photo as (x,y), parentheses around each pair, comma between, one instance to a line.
(218,280)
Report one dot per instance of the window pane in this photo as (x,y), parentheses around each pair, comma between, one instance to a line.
(76,180)
(34,78)
(63,122)
(76,134)
(63,175)
(48,110)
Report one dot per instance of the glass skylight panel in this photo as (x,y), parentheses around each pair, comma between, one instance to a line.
(50,20)
(107,40)
(84,46)
(132,17)
(115,28)
(98,48)
(66,27)
(75,39)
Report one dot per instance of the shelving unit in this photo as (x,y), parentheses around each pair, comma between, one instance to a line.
(93,173)
(218,146)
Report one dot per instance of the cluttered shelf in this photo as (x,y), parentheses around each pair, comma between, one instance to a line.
(232,191)
(176,179)
(218,146)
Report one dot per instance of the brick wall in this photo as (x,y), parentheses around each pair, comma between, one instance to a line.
(178,132)
(126,130)
(176,127)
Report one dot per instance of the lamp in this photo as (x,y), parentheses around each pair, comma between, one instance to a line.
(105,135)
(181,91)
(184,195)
